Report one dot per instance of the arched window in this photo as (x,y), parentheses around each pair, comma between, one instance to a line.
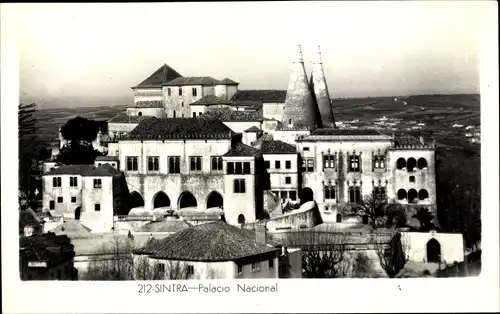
(401,163)
(187,200)
(139,114)
(423,194)
(411,164)
(338,218)
(351,195)
(412,195)
(422,163)
(354,194)
(357,195)
(161,200)
(329,192)
(433,251)
(402,194)
(241,219)
(174,113)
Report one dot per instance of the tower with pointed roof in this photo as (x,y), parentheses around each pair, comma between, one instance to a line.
(319,88)
(299,111)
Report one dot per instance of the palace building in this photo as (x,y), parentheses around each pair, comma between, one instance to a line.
(198,143)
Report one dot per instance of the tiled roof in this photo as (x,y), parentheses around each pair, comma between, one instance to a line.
(106,158)
(84,170)
(277,147)
(345,132)
(229,115)
(161,76)
(181,128)
(41,248)
(253,129)
(241,150)
(27,218)
(123,118)
(214,241)
(164,226)
(227,81)
(148,104)
(104,170)
(407,140)
(71,170)
(194,80)
(211,100)
(72,228)
(264,95)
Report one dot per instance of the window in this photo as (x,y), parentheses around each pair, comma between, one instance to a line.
(239,168)
(200,113)
(190,270)
(288,180)
(422,163)
(379,162)
(216,163)
(180,91)
(160,267)
(255,266)
(354,194)
(174,164)
(293,195)
(329,192)
(153,163)
(174,113)
(230,168)
(271,262)
(307,165)
(289,121)
(268,164)
(97,183)
(328,161)
(240,268)
(288,164)
(139,114)
(99,164)
(182,104)
(97,207)
(277,164)
(59,199)
(379,193)
(283,195)
(132,164)
(52,204)
(194,91)
(169,92)
(246,168)
(194,114)
(73,181)
(56,182)
(195,163)
(354,164)
(306,148)
(239,186)
(73,199)
(412,179)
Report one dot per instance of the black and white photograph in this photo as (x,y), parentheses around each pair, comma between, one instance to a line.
(200,142)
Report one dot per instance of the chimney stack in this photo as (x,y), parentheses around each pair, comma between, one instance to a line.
(261,234)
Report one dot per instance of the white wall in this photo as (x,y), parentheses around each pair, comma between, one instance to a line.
(278,176)
(181,103)
(273,110)
(249,138)
(101,221)
(148,94)
(288,136)
(150,112)
(452,249)
(51,193)
(295,260)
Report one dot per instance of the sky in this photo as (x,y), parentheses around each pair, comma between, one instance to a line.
(91,54)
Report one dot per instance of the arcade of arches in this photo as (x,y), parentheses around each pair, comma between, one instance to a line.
(214,199)
(187,199)
(161,200)
(411,163)
(412,195)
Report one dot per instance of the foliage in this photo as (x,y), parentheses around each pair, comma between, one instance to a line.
(393,255)
(376,210)
(324,254)
(28,145)
(424,216)
(362,266)
(80,129)
(77,153)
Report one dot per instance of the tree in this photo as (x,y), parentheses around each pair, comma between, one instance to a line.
(79,133)
(392,255)
(324,253)
(375,209)
(27,147)
(424,217)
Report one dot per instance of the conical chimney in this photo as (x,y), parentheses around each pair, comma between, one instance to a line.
(299,110)
(320,90)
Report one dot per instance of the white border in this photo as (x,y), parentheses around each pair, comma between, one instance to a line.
(339,295)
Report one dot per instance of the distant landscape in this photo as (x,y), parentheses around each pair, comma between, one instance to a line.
(437,114)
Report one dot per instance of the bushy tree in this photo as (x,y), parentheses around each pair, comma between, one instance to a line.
(424,217)
(375,209)
(393,255)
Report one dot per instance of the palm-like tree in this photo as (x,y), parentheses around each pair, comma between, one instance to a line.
(379,212)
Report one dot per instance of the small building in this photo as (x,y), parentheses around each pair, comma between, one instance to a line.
(46,257)
(212,251)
